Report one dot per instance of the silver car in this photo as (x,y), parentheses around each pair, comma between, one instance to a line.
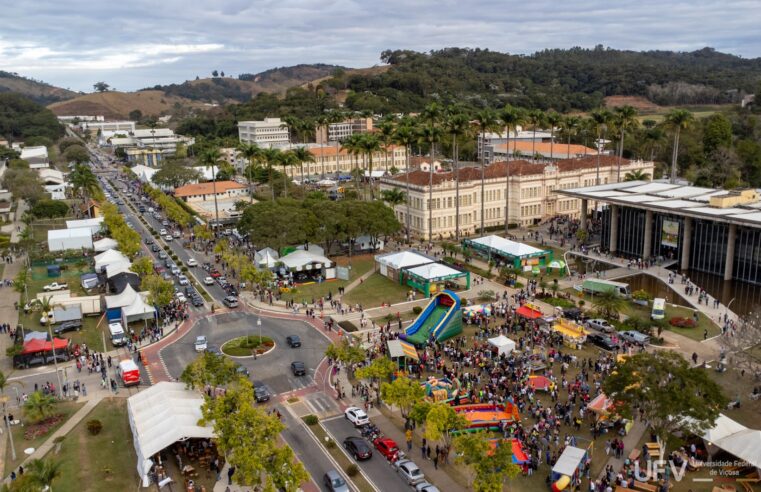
(635,336)
(601,325)
(335,482)
(410,472)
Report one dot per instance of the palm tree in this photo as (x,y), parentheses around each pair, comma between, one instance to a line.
(486,120)
(677,119)
(609,304)
(431,133)
(626,119)
(352,146)
(599,120)
(637,175)
(44,472)
(570,125)
(406,135)
(287,159)
(652,137)
(46,306)
(4,383)
(554,120)
(292,123)
(271,158)
(83,181)
(323,121)
(456,125)
(393,197)
(370,144)
(302,155)
(38,405)
(535,118)
(510,117)
(210,159)
(385,134)
(252,153)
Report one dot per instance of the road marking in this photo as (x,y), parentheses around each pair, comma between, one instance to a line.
(330,419)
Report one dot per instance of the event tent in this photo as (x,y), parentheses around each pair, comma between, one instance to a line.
(93,225)
(116,268)
(119,282)
(123,299)
(529,311)
(161,415)
(42,345)
(503,344)
(539,382)
(399,348)
(402,259)
(109,257)
(424,277)
(600,404)
(266,258)
(305,260)
(518,254)
(104,244)
(137,311)
(735,439)
(568,463)
(63,239)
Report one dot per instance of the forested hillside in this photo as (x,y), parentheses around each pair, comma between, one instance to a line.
(21,118)
(35,90)
(564,80)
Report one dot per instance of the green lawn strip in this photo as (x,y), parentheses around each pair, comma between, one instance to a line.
(340,457)
(306,293)
(69,275)
(102,462)
(67,409)
(376,290)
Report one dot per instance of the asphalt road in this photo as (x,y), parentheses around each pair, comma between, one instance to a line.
(377,468)
(272,369)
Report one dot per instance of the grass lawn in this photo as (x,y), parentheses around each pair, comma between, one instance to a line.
(90,333)
(67,409)
(375,291)
(704,322)
(40,228)
(244,346)
(340,457)
(102,462)
(359,266)
(70,275)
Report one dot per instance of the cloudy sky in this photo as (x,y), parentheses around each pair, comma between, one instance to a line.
(140,43)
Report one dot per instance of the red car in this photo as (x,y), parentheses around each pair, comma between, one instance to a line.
(215,274)
(387,447)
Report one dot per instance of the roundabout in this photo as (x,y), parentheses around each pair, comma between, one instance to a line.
(248,346)
(273,370)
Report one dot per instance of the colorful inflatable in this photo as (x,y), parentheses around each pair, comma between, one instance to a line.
(484,415)
(519,457)
(561,483)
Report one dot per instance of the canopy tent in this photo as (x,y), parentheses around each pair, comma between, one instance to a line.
(475,309)
(138,310)
(503,344)
(529,311)
(315,249)
(42,345)
(427,277)
(326,183)
(119,282)
(93,225)
(539,383)
(35,335)
(63,239)
(109,257)
(125,298)
(160,416)
(305,260)
(399,348)
(104,244)
(515,253)
(600,404)
(266,258)
(735,439)
(403,259)
(117,268)
(569,462)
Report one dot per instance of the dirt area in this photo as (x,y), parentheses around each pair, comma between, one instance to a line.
(638,102)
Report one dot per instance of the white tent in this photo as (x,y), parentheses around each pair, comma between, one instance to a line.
(104,244)
(569,461)
(109,257)
(313,248)
(503,344)
(305,260)
(327,183)
(138,310)
(735,439)
(506,246)
(123,299)
(93,224)
(723,427)
(114,269)
(63,239)
(432,271)
(160,416)
(402,259)
(266,258)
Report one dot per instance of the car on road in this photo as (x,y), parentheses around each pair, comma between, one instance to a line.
(600,325)
(215,273)
(191,262)
(183,280)
(149,240)
(155,248)
(200,343)
(358,447)
(162,232)
(73,325)
(230,301)
(298,368)
(603,341)
(167,276)
(213,349)
(409,472)
(197,301)
(176,270)
(168,237)
(387,447)
(180,297)
(635,336)
(162,255)
(177,234)
(356,416)
(334,482)
(426,487)
(165,223)
(260,392)
(293,341)
(208,281)
(574,314)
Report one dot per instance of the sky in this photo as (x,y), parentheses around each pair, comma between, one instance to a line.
(139,43)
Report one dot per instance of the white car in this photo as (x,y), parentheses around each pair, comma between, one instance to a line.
(183,280)
(208,281)
(180,297)
(356,416)
(426,487)
(409,472)
(168,237)
(200,343)
(191,262)
(177,234)
(162,232)
(176,270)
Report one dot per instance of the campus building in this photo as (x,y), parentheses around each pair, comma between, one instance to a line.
(332,159)
(531,194)
(336,132)
(705,230)
(93,127)
(270,132)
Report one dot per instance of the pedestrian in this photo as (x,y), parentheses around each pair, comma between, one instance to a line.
(436,461)
(422,448)
(230,473)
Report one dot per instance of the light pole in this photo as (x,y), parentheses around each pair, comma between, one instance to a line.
(259,324)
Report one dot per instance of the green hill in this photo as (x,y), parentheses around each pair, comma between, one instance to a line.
(39,92)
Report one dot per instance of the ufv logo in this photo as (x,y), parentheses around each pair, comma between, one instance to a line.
(654,469)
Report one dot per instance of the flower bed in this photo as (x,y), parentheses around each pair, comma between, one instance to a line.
(42,428)
(245,346)
(683,322)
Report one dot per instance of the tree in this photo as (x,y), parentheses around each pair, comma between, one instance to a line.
(441,420)
(379,369)
(24,184)
(677,120)
(553,119)
(287,159)
(38,406)
(44,472)
(271,158)
(209,369)
(637,175)
(510,118)
(625,119)
(370,145)
(489,467)
(142,266)
(77,154)
(406,135)
(717,133)
(215,73)
(101,86)
(160,291)
(46,305)
(608,303)
(430,133)
(346,353)
(738,346)
(210,159)
(666,391)
(456,125)
(49,209)
(247,436)
(402,392)
(135,115)
(486,120)
(393,197)
(536,118)
(253,154)
(599,121)
(174,173)
(83,181)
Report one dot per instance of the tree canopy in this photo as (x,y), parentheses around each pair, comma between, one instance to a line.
(21,118)
(175,173)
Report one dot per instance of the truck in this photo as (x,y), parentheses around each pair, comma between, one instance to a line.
(599,286)
(59,315)
(117,334)
(55,286)
(129,372)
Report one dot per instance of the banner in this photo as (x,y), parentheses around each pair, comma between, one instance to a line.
(670,233)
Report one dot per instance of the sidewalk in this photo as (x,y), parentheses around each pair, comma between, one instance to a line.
(631,441)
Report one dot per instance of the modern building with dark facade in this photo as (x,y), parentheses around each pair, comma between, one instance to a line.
(703,229)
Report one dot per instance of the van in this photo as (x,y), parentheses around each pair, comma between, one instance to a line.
(117,334)
(659,308)
(129,372)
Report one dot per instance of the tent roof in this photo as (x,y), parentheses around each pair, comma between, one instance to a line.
(137,308)
(600,404)
(42,345)
(506,246)
(76,224)
(55,234)
(110,255)
(745,444)
(433,271)
(118,267)
(163,414)
(398,348)
(569,461)
(31,335)
(501,341)
(267,257)
(539,382)
(120,281)
(403,259)
(125,298)
(105,244)
(300,258)
(529,312)
(723,427)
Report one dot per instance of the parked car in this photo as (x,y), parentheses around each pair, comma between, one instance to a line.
(176,270)
(334,482)
(298,368)
(603,341)
(55,286)
(162,255)
(387,447)
(574,314)
(426,487)
(410,472)
(635,336)
(162,232)
(149,240)
(208,281)
(200,343)
(73,325)
(191,262)
(358,447)
(241,370)
(180,297)
(260,392)
(213,349)
(155,248)
(356,416)
(197,301)
(176,234)
(230,301)
(183,280)
(168,237)
(601,325)
(293,341)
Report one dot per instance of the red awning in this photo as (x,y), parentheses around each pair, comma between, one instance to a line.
(528,312)
(36,345)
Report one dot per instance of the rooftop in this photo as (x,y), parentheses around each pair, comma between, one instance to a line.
(544,149)
(207,188)
(683,200)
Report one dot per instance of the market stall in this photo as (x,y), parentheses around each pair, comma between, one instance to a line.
(529,311)
(400,352)
(501,345)
(568,468)
(434,277)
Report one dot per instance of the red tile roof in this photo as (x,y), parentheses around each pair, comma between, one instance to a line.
(207,188)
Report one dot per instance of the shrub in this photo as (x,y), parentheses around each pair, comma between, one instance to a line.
(641,295)
(559,302)
(311,420)
(352,470)
(94,426)
(683,322)
(417,310)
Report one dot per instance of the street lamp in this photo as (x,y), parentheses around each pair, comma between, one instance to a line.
(259,324)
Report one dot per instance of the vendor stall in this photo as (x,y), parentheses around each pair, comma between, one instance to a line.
(400,352)
(529,311)
(568,468)
(574,335)
(434,277)
(512,253)
(501,345)
(307,267)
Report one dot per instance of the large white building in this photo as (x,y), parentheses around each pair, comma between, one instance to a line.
(337,132)
(492,138)
(331,159)
(36,156)
(108,126)
(531,193)
(271,132)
